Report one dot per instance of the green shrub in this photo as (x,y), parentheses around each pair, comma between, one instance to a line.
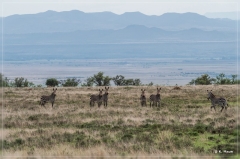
(4,82)
(52,82)
(21,82)
(70,82)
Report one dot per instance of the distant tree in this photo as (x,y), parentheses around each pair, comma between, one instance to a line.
(234,79)
(128,82)
(221,79)
(100,80)
(88,82)
(52,82)
(4,82)
(150,84)
(21,82)
(137,82)
(119,80)
(106,81)
(205,79)
(70,82)
(132,82)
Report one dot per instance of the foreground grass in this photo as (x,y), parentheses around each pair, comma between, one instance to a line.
(182,126)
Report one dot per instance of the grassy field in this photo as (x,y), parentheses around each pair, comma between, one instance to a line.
(183,127)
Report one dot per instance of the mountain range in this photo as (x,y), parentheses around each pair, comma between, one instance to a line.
(69,21)
(76,27)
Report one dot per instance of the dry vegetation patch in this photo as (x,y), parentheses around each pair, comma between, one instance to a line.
(183,125)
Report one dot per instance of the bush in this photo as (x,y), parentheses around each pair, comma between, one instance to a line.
(203,80)
(220,79)
(4,82)
(70,82)
(98,79)
(88,82)
(52,82)
(119,80)
(21,82)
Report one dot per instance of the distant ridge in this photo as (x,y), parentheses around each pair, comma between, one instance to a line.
(129,34)
(68,21)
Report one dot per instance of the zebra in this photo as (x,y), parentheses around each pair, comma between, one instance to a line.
(51,98)
(155,98)
(96,98)
(143,98)
(219,101)
(105,96)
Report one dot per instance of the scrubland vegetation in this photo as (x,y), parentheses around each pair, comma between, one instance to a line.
(184,126)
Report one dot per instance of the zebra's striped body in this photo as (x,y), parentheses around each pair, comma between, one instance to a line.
(96,98)
(155,98)
(217,101)
(143,98)
(51,98)
(105,96)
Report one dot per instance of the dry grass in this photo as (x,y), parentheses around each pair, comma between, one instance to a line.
(182,126)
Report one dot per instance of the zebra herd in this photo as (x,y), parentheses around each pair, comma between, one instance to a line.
(154,99)
(99,98)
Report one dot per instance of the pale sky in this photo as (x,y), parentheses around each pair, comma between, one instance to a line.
(149,7)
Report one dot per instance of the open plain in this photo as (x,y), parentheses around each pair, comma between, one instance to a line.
(183,126)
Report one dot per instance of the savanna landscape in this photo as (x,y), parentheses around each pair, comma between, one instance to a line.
(182,127)
(178,49)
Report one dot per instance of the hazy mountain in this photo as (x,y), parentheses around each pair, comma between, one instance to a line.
(68,21)
(130,34)
(228,15)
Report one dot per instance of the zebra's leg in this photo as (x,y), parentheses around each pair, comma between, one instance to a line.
(43,104)
(92,103)
(99,104)
(226,106)
(105,103)
(222,108)
(52,104)
(211,107)
(150,104)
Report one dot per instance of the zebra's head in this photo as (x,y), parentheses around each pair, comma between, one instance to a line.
(143,92)
(100,92)
(106,90)
(158,90)
(54,92)
(210,94)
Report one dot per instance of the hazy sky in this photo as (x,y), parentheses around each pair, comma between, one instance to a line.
(149,7)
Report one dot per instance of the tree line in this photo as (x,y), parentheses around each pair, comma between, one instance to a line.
(221,79)
(100,79)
